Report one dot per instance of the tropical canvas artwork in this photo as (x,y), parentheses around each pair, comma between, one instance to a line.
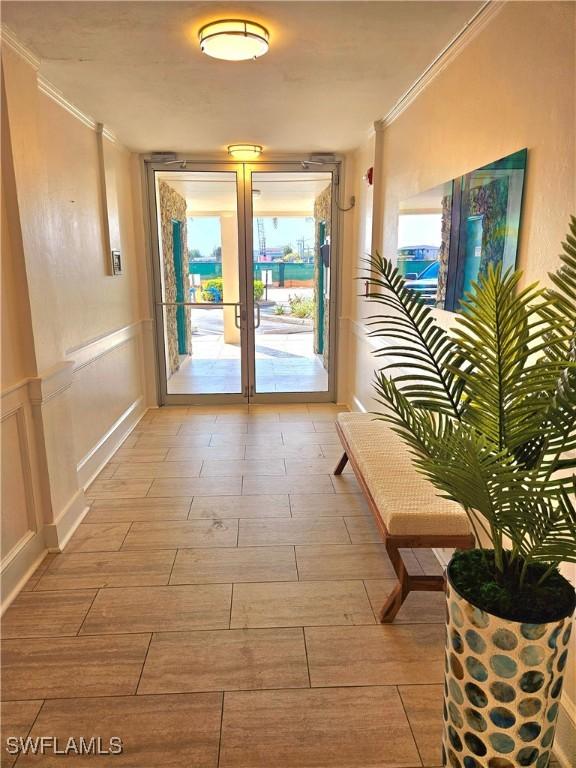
(449,235)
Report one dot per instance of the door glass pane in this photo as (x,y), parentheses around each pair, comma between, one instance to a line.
(291,273)
(198,238)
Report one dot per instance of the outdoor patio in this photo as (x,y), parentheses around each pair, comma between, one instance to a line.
(285,359)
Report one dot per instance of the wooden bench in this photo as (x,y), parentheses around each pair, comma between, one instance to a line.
(407,509)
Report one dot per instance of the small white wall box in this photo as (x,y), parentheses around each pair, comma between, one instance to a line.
(116,263)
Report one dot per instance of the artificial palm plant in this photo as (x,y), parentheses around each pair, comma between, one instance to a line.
(489,413)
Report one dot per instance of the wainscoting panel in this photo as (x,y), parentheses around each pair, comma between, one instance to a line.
(107,397)
(22,535)
(361,366)
(15,483)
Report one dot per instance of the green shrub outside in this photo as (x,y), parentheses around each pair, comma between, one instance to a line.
(301,306)
(213,290)
(258,290)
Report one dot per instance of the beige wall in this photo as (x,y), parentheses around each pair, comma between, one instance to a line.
(18,361)
(94,303)
(356,244)
(73,336)
(512,86)
(18,518)
(32,201)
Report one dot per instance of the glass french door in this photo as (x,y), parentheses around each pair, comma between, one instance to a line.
(244,281)
(289,236)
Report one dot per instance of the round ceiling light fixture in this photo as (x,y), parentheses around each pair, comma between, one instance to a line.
(245,151)
(234,39)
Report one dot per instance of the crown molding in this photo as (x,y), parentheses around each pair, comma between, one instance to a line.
(46,87)
(107,133)
(50,90)
(11,40)
(376,127)
(469,31)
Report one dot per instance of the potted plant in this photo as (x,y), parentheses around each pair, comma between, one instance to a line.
(488,411)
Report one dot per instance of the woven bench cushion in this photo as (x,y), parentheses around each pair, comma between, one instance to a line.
(406,500)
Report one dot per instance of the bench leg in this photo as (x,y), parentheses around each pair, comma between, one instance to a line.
(392,605)
(406,584)
(341,464)
(400,591)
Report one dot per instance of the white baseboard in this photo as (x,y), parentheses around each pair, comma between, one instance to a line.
(56,534)
(93,462)
(22,566)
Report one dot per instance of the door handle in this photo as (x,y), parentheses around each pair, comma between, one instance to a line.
(237,314)
(257,323)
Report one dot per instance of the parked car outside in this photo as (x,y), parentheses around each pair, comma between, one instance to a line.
(426,283)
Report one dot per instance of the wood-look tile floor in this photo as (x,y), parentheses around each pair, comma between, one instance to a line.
(217,607)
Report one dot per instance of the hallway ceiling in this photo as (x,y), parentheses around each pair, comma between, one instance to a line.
(332,69)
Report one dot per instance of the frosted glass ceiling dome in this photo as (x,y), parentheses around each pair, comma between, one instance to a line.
(234,39)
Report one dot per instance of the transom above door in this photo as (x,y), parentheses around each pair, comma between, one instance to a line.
(244,281)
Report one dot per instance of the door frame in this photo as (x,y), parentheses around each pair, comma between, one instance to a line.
(242,170)
(295,166)
(164,398)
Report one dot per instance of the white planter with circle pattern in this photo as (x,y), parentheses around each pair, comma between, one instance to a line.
(502,688)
